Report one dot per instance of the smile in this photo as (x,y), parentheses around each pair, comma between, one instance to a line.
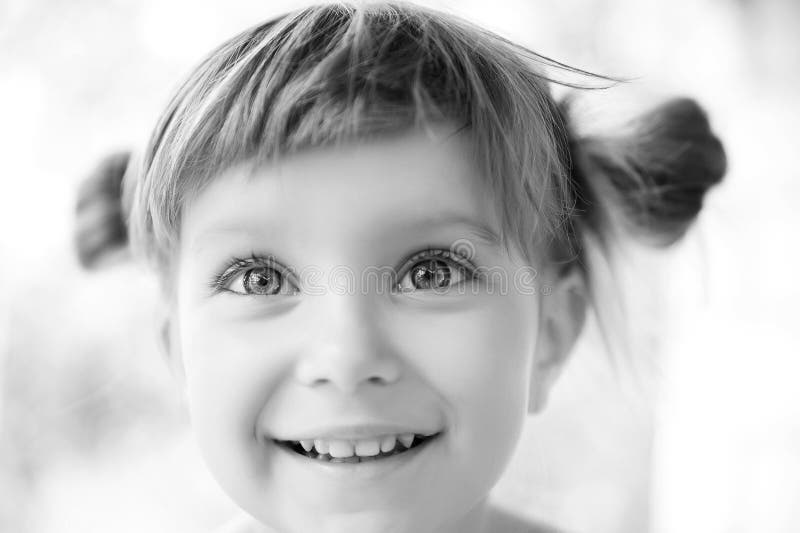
(356,451)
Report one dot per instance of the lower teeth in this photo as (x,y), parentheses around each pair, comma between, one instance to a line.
(352,459)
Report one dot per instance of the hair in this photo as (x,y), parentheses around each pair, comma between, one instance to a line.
(338,73)
(100,224)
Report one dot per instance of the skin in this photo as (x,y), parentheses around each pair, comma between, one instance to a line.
(467,364)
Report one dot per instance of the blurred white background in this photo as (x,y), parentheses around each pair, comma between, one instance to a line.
(699,432)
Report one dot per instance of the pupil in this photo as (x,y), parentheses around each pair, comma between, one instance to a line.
(262,281)
(434,274)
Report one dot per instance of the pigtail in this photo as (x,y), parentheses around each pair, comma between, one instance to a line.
(649,181)
(100,228)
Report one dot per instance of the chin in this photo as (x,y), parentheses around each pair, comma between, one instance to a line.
(366,522)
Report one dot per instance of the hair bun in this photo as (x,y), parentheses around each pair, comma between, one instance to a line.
(658,171)
(100,221)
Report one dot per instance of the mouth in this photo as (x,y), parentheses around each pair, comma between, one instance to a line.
(356,451)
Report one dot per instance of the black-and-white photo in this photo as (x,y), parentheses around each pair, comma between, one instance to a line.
(395,267)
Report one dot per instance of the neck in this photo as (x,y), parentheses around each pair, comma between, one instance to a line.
(479,519)
(475,521)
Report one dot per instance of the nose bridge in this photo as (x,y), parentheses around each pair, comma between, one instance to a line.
(346,347)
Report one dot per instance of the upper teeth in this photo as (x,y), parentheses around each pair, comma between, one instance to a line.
(359,447)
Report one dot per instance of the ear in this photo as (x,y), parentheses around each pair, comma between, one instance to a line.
(169,340)
(563,313)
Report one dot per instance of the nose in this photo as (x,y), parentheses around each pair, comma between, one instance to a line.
(346,347)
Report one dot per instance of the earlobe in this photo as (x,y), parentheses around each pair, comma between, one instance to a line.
(560,324)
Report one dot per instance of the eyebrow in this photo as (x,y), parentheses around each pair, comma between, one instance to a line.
(477,229)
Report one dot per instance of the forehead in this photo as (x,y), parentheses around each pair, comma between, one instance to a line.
(403,183)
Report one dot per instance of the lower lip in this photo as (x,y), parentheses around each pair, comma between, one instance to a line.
(364,470)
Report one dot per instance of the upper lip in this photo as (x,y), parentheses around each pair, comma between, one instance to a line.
(356,431)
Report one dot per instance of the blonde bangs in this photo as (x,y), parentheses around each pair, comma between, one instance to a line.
(337,73)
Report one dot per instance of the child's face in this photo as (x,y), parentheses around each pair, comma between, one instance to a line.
(326,354)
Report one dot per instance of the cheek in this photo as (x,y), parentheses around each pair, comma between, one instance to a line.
(478,359)
(478,352)
(230,368)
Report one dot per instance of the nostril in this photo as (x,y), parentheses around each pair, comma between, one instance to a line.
(346,370)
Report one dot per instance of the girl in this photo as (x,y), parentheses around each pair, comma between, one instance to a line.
(370,224)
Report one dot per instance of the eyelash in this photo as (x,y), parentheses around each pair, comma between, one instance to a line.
(461,262)
(237,266)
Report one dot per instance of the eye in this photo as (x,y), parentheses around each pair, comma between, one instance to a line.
(434,270)
(257,276)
